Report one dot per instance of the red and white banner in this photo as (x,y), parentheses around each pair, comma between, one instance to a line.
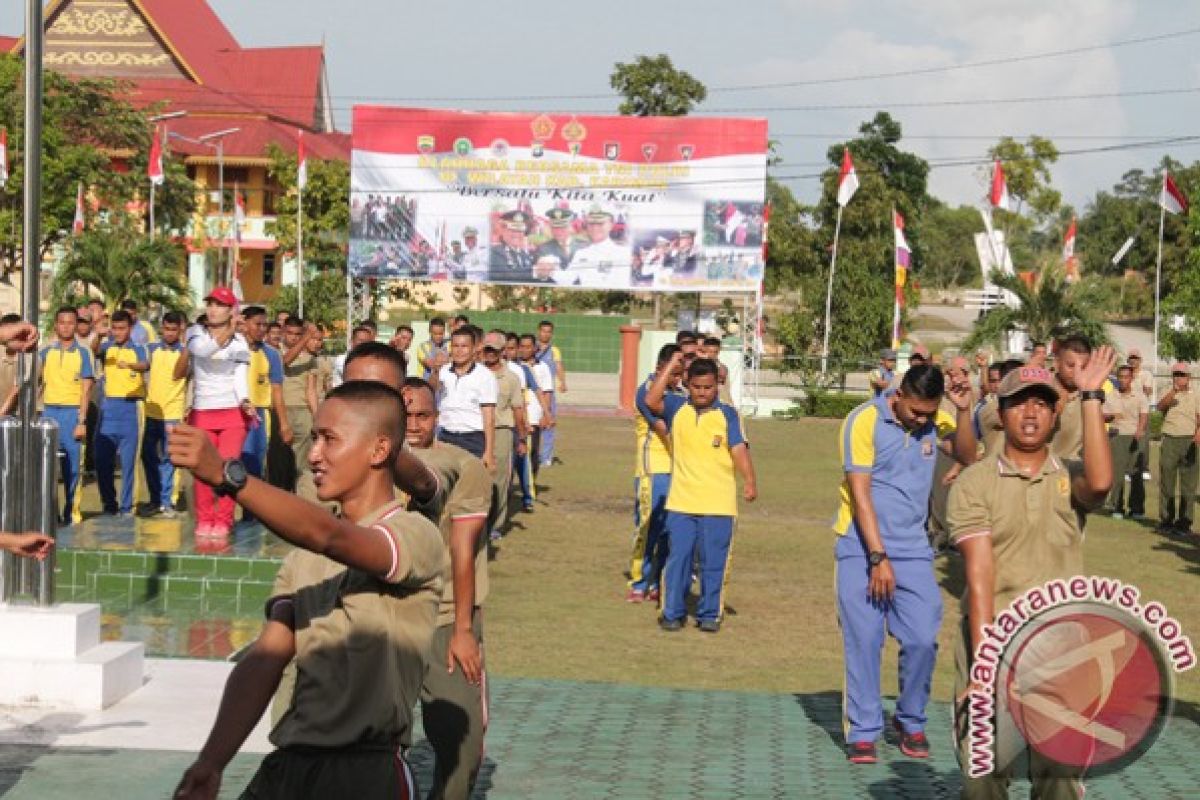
(301,162)
(847,179)
(1070,263)
(77,225)
(903,262)
(154,167)
(1171,199)
(645,203)
(3,157)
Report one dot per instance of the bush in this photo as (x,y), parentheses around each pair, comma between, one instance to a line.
(827,405)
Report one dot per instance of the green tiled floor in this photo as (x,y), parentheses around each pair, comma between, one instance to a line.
(559,740)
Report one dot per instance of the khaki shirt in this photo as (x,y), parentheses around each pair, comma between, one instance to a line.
(1127,409)
(1035,527)
(508,396)
(464,492)
(1142,381)
(361,641)
(8,376)
(1067,441)
(295,380)
(991,427)
(1180,419)
(324,375)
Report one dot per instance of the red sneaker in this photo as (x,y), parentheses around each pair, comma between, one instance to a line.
(913,745)
(861,753)
(653,595)
(635,596)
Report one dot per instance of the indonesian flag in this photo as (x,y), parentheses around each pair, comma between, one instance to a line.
(1069,243)
(77,226)
(999,187)
(903,260)
(847,180)
(3,157)
(1171,199)
(154,169)
(239,213)
(301,163)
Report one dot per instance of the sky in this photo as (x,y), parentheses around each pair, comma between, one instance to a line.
(521,56)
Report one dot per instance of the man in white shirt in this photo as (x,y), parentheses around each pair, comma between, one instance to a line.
(467,400)
(539,407)
(360,334)
(602,263)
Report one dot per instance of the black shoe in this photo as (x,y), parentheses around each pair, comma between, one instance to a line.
(709,625)
(913,745)
(861,753)
(670,625)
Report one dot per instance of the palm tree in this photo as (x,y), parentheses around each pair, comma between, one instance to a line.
(120,264)
(1048,309)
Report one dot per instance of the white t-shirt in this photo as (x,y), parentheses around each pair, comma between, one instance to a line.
(218,373)
(461,398)
(339,369)
(533,403)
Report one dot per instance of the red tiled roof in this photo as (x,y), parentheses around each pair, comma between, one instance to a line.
(254,137)
(7,43)
(196,33)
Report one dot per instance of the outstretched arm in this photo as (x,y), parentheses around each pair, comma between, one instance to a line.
(1093,485)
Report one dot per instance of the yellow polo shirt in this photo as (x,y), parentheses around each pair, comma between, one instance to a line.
(121,381)
(64,369)
(702,475)
(165,396)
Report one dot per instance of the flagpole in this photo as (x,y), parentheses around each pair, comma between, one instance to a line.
(300,252)
(152,188)
(837,231)
(1162,218)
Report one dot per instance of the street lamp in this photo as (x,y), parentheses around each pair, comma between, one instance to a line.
(208,140)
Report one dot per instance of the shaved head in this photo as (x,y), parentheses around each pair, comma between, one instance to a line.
(375,407)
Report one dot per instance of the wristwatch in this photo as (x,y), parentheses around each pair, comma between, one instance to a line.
(876,557)
(1092,394)
(234,477)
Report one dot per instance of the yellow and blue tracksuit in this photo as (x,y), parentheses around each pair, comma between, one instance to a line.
(651,483)
(120,426)
(701,504)
(550,356)
(900,463)
(265,371)
(64,369)
(165,400)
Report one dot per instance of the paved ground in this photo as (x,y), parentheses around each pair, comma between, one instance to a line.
(560,741)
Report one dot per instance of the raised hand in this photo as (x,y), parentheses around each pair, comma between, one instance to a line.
(1098,368)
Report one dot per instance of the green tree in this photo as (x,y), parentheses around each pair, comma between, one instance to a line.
(121,263)
(1049,309)
(326,212)
(793,251)
(1182,341)
(653,87)
(948,246)
(324,300)
(88,125)
(864,283)
(1027,172)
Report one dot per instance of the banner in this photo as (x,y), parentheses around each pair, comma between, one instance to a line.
(593,202)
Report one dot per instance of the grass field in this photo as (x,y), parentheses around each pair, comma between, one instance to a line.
(557,608)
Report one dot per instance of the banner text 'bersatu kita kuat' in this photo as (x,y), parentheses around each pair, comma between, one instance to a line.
(623,203)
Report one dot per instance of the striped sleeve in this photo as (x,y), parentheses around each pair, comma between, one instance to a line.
(857,439)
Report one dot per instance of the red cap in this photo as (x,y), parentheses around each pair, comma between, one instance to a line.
(223,295)
(1180,366)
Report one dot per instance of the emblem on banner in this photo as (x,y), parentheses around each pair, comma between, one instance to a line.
(426,143)
(537,149)
(542,127)
(686,151)
(500,148)
(574,132)
(612,150)
(648,150)
(463,146)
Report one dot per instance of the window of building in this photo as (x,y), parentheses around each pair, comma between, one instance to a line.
(268,269)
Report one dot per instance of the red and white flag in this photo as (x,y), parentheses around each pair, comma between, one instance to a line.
(154,168)
(847,180)
(239,212)
(999,187)
(903,262)
(1069,243)
(3,157)
(1172,200)
(77,225)
(301,163)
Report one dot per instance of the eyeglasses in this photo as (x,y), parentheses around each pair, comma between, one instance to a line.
(1180,375)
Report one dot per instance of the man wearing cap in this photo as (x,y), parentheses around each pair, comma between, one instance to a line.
(1018,520)
(686,257)
(1177,464)
(510,259)
(1129,411)
(882,376)
(475,256)
(884,575)
(562,244)
(1143,385)
(510,425)
(602,263)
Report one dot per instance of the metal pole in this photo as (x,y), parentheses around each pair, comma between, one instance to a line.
(837,231)
(1162,219)
(152,188)
(221,204)
(300,252)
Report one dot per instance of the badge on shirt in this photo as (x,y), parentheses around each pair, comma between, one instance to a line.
(927,448)
(1064,485)
(717,441)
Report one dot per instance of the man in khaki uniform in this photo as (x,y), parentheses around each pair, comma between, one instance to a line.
(947,469)
(1143,385)
(1072,356)
(1128,411)
(453,694)
(358,620)
(299,390)
(1018,521)
(1177,465)
(510,426)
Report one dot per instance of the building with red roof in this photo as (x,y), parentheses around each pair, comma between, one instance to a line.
(178,56)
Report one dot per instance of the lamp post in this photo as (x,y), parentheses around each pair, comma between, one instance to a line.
(216,141)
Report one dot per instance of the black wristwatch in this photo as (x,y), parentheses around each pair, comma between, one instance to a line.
(234,477)
(876,558)
(1092,394)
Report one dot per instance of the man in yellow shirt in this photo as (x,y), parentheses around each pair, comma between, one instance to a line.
(125,364)
(67,377)
(165,401)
